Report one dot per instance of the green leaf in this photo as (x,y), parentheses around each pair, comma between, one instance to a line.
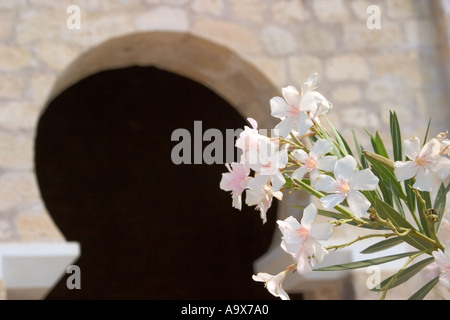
(383,245)
(396,137)
(340,143)
(404,275)
(366,263)
(387,176)
(410,195)
(360,151)
(422,292)
(378,145)
(440,202)
(426,133)
(385,211)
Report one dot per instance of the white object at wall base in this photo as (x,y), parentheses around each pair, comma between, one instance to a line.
(30,270)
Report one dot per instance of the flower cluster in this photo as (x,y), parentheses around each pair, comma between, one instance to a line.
(366,190)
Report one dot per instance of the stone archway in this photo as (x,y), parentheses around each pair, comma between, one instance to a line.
(214,66)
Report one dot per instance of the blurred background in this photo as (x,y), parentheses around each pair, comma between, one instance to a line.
(91,91)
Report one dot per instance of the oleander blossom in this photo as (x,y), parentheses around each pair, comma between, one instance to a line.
(346,185)
(442,260)
(236,181)
(315,160)
(445,143)
(296,110)
(301,239)
(273,283)
(424,164)
(262,199)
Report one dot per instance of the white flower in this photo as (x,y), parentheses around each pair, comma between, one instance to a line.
(322,106)
(442,260)
(262,198)
(300,239)
(236,181)
(273,283)
(445,143)
(292,111)
(315,160)
(346,184)
(424,162)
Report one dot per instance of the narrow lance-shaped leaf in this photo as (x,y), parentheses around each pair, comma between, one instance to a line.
(383,245)
(366,263)
(440,202)
(396,136)
(404,275)
(422,292)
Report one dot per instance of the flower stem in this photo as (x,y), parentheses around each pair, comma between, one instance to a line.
(359,238)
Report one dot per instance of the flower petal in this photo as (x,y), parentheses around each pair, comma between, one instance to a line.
(405,170)
(321,231)
(284,128)
(279,108)
(411,147)
(291,95)
(257,183)
(364,180)
(320,148)
(442,167)
(303,265)
(308,103)
(278,181)
(304,123)
(300,173)
(253,123)
(358,203)
(431,148)
(327,184)
(332,200)
(345,167)
(424,180)
(309,215)
(326,163)
(301,155)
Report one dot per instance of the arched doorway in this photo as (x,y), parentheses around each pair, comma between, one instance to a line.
(148,229)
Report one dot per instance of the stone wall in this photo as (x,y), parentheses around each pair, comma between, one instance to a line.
(365,73)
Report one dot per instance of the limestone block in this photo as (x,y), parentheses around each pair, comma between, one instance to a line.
(346,94)
(300,67)
(6,24)
(249,10)
(14,57)
(16,152)
(290,11)
(19,115)
(359,8)
(41,85)
(231,35)
(317,39)
(35,226)
(358,37)
(56,54)
(38,25)
(163,18)
(347,67)
(331,11)
(11,85)
(278,41)
(420,32)
(402,9)
(18,188)
(214,7)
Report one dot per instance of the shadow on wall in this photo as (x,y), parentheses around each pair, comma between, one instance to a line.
(148,229)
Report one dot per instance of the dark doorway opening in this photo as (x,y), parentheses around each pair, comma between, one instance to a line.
(148,229)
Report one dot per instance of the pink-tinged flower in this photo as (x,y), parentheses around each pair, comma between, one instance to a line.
(346,184)
(262,199)
(270,172)
(273,283)
(300,239)
(444,228)
(424,162)
(320,105)
(236,181)
(256,148)
(442,260)
(315,160)
(292,110)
